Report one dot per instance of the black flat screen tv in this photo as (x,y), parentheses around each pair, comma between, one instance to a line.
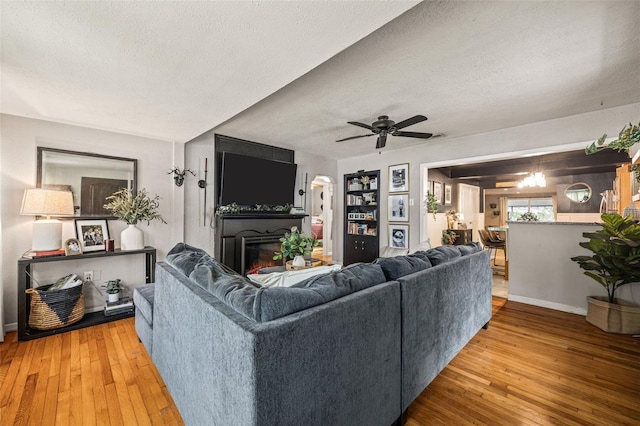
(249,180)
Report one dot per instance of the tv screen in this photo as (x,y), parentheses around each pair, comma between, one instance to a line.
(251,180)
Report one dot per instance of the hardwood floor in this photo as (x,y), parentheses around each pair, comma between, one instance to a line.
(533,366)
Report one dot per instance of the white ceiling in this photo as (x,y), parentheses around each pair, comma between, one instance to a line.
(293,73)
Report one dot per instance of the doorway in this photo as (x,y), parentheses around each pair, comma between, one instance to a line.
(322,190)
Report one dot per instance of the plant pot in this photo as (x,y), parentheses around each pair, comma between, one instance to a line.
(113,297)
(613,317)
(132,238)
(298,262)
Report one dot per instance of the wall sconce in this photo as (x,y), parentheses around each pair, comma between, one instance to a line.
(178,179)
(47,233)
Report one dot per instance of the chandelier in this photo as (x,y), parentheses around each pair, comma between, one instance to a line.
(536,179)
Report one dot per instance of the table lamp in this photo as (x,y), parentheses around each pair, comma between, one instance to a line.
(47,233)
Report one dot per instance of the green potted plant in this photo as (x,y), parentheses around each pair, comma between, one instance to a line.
(615,262)
(627,137)
(295,245)
(431,204)
(113,289)
(133,208)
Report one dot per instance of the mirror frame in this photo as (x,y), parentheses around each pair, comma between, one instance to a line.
(39,177)
(576,184)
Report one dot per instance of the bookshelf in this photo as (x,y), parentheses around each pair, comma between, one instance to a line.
(361,214)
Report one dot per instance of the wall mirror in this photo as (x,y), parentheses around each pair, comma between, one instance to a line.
(579,192)
(90,177)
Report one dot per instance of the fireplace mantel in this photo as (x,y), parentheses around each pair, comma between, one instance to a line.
(232,228)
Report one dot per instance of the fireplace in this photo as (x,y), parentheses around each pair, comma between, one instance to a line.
(257,252)
(244,241)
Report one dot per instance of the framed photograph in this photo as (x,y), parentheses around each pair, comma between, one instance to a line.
(398,208)
(92,234)
(72,247)
(399,236)
(437,191)
(399,178)
(447,195)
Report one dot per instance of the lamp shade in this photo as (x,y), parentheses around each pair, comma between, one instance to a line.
(47,202)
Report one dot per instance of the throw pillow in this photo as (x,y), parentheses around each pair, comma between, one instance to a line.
(289,278)
(425,245)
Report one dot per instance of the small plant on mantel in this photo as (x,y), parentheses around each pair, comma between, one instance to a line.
(295,243)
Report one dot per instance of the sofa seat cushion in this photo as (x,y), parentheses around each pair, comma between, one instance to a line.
(289,278)
(184,258)
(266,304)
(399,266)
(143,301)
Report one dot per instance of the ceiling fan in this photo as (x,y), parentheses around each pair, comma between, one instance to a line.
(384,127)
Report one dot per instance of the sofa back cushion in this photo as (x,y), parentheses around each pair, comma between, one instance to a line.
(470,248)
(441,254)
(184,257)
(399,266)
(266,304)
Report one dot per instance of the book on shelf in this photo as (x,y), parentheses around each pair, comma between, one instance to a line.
(31,254)
(123,305)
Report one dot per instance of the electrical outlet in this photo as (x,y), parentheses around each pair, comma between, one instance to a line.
(88,276)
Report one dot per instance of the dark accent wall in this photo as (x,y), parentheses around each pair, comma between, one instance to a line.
(243,147)
(599,182)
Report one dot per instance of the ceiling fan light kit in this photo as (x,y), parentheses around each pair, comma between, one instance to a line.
(384,127)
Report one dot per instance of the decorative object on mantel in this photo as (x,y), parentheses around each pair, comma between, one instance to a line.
(295,245)
(178,177)
(615,262)
(133,208)
(627,137)
(234,208)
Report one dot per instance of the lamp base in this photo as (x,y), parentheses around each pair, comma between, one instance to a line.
(47,235)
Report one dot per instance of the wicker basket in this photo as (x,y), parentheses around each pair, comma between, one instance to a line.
(613,317)
(57,308)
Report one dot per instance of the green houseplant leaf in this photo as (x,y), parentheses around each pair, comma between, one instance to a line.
(295,243)
(616,253)
(132,208)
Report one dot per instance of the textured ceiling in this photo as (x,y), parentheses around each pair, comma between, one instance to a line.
(167,70)
(293,73)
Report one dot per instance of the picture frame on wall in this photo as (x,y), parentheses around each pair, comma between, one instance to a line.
(399,236)
(447,194)
(398,208)
(437,191)
(399,178)
(92,234)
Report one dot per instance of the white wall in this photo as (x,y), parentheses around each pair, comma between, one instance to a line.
(199,235)
(20,137)
(548,247)
(542,136)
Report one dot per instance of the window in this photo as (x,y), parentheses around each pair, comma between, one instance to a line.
(543,208)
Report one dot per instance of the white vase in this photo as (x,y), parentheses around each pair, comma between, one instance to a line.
(298,262)
(132,238)
(113,297)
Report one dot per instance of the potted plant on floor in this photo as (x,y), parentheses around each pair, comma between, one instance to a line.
(133,208)
(295,245)
(615,262)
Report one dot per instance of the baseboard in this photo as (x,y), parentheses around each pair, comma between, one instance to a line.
(11,327)
(547,304)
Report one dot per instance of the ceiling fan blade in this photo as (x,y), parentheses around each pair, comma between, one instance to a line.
(354,137)
(409,121)
(382,141)
(413,134)
(366,126)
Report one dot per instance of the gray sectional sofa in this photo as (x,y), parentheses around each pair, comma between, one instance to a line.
(352,347)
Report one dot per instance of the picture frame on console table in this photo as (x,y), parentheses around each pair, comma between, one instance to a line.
(399,178)
(92,234)
(399,236)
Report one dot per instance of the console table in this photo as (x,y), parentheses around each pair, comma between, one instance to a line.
(89,319)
